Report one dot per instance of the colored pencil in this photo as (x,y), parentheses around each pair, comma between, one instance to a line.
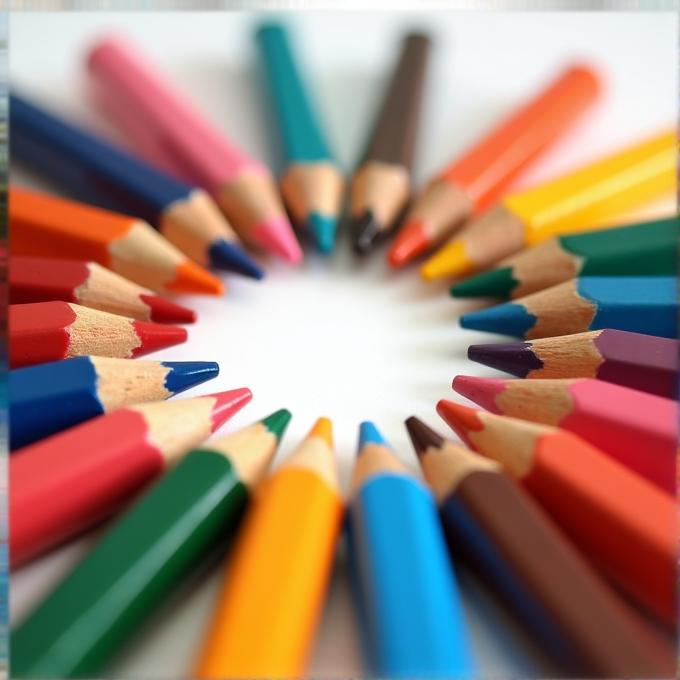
(404,581)
(623,523)
(311,183)
(635,428)
(380,187)
(644,362)
(645,249)
(49,331)
(583,200)
(299,506)
(185,144)
(66,483)
(506,538)
(39,279)
(475,181)
(96,172)
(47,226)
(626,303)
(75,631)
(52,397)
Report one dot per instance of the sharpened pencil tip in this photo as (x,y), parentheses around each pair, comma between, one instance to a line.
(323,428)
(450,260)
(369,434)
(410,242)
(164,311)
(516,358)
(228,404)
(276,235)
(184,375)
(323,228)
(496,283)
(366,230)
(507,319)
(422,436)
(460,419)
(194,279)
(482,391)
(277,422)
(155,336)
(232,258)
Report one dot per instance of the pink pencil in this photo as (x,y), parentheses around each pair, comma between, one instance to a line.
(636,428)
(169,132)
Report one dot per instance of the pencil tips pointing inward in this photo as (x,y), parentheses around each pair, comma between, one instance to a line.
(323,428)
(231,257)
(323,228)
(516,358)
(496,283)
(369,434)
(227,404)
(365,230)
(184,375)
(277,422)
(422,436)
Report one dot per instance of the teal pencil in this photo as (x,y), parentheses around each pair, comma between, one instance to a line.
(311,183)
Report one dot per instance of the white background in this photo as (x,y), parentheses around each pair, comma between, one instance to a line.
(338,336)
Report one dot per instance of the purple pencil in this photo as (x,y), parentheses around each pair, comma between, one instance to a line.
(643,362)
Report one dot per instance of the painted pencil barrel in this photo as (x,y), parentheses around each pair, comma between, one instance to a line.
(280,565)
(296,120)
(82,623)
(412,608)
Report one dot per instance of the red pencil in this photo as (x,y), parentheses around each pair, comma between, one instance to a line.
(637,429)
(39,279)
(68,482)
(49,331)
(624,524)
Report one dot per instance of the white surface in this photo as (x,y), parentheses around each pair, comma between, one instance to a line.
(340,337)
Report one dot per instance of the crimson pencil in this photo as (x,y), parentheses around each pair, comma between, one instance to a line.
(637,429)
(66,483)
(49,331)
(624,524)
(40,279)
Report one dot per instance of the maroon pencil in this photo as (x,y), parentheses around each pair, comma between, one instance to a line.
(510,542)
(643,362)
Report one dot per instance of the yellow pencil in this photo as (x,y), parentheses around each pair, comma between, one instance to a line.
(579,201)
(271,600)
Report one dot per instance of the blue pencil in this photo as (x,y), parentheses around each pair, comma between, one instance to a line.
(637,304)
(311,183)
(411,608)
(51,397)
(95,172)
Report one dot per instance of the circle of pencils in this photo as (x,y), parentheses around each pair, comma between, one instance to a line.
(644,362)
(144,556)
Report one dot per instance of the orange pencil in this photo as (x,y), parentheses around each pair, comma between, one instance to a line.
(47,226)
(621,521)
(270,603)
(475,181)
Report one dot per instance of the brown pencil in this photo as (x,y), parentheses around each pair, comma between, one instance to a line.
(380,187)
(508,539)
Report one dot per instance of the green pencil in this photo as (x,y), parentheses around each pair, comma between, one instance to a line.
(100,604)
(311,183)
(644,249)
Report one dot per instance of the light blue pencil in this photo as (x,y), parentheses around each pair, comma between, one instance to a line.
(409,601)
(311,182)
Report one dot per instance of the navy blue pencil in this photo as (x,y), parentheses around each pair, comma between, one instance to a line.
(97,173)
(51,397)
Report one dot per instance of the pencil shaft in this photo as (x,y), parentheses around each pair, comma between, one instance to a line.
(102,602)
